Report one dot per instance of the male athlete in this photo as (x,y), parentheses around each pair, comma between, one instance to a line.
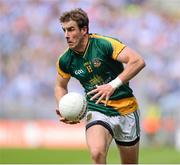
(97,62)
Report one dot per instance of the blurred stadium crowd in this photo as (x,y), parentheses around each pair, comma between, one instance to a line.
(31,40)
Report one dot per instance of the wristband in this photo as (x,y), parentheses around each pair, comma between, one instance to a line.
(116,83)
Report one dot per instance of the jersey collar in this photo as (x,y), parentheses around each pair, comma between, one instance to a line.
(85,51)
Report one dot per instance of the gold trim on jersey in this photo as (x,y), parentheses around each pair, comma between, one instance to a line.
(86,48)
(60,71)
(123,106)
(117,45)
(85,51)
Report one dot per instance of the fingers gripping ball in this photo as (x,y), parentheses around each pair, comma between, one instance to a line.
(73,106)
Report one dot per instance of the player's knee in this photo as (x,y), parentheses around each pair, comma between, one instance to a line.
(98,155)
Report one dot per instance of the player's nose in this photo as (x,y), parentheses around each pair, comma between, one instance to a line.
(66,34)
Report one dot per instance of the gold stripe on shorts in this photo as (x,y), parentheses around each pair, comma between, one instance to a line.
(123,106)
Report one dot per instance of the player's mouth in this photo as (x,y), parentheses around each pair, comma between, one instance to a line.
(70,43)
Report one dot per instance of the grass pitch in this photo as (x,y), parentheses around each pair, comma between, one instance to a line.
(160,155)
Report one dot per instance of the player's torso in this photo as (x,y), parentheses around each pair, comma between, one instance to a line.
(94,67)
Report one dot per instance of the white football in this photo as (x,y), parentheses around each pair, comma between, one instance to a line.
(73,106)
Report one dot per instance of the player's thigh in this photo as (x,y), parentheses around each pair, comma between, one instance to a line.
(129,154)
(98,138)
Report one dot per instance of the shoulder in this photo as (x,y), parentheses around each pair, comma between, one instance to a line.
(62,62)
(101,43)
(105,39)
(64,56)
(111,45)
(100,39)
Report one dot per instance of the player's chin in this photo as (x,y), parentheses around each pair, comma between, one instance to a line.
(71,45)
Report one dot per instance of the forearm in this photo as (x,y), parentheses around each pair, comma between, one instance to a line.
(132,69)
(60,88)
(59,93)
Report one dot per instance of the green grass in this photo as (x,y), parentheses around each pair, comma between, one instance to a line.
(60,156)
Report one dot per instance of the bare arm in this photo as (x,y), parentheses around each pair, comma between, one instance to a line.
(60,88)
(134,63)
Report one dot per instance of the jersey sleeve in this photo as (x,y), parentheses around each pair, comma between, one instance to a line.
(115,47)
(111,45)
(62,67)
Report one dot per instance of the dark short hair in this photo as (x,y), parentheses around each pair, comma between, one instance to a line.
(78,15)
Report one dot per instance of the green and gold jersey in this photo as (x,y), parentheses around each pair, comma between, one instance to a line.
(98,65)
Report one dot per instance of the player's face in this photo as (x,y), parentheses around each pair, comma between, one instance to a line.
(73,34)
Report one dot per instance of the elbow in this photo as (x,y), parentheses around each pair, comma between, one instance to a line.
(142,63)
(138,63)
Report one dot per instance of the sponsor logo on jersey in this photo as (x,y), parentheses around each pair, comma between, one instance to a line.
(78,72)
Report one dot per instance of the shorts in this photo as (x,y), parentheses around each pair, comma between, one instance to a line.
(124,129)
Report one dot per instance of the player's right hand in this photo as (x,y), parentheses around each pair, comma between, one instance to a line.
(62,119)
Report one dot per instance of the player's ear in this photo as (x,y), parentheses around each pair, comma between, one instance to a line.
(84,30)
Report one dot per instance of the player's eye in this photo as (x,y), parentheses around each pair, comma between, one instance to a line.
(70,29)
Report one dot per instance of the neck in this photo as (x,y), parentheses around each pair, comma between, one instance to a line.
(81,48)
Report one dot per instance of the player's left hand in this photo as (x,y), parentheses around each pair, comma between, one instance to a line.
(102,92)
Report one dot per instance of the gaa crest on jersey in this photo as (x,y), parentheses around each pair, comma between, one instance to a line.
(96,62)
